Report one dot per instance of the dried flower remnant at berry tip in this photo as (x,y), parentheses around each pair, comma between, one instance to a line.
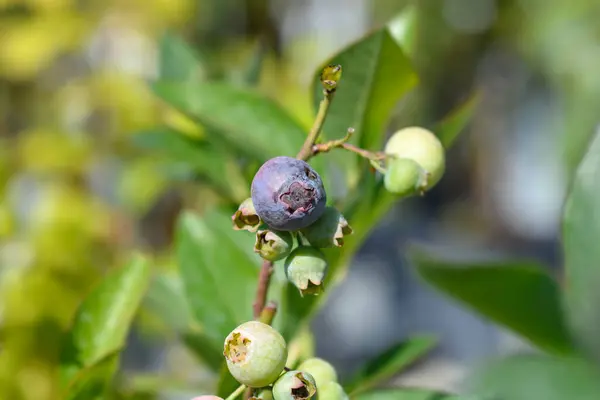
(236,348)
(294,385)
(245,217)
(330,77)
(288,194)
(273,245)
(306,268)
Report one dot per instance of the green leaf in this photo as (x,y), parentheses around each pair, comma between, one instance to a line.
(448,129)
(166,298)
(102,321)
(389,363)
(404,27)
(295,310)
(178,61)
(516,294)
(581,228)
(92,382)
(407,394)
(203,157)
(537,377)
(248,121)
(219,272)
(376,74)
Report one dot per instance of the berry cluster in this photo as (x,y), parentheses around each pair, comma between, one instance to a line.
(289,214)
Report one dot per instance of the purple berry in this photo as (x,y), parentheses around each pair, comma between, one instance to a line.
(288,194)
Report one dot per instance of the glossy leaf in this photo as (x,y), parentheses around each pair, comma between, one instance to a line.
(581,228)
(403,28)
(249,122)
(517,294)
(537,377)
(408,394)
(218,272)
(178,61)
(103,320)
(389,363)
(376,74)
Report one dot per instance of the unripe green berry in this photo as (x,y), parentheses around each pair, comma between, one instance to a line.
(294,385)
(404,177)
(306,268)
(423,147)
(208,397)
(273,245)
(329,230)
(321,370)
(255,354)
(246,218)
(264,394)
(332,391)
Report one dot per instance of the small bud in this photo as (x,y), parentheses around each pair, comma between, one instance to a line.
(273,245)
(294,385)
(405,177)
(306,268)
(246,218)
(329,230)
(255,354)
(330,77)
(321,370)
(423,147)
(332,391)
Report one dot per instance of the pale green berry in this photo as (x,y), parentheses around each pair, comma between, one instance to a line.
(264,394)
(208,397)
(246,218)
(423,147)
(332,391)
(306,268)
(255,354)
(404,177)
(273,245)
(321,370)
(294,385)
(329,230)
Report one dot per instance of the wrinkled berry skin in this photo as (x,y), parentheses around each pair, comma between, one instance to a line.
(288,194)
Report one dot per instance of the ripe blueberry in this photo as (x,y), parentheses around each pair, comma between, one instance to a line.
(288,194)
(255,354)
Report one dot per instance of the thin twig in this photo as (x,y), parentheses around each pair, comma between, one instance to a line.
(268,313)
(263,287)
(306,151)
(236,393)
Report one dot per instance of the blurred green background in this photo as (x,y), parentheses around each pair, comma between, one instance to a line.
(78,195)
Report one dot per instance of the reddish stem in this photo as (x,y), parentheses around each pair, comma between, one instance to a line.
(263,287)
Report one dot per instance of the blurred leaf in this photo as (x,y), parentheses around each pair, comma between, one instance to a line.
(517,294)
(92,382)
(167,299)
(376,74)
(251,123)
(295,310)
(581,227)
(178,61)
(453,124)
(218,272)
(537,377)
(103,319)
(204,158)
(403,28)
(226,384)
(389,363)
(407,394)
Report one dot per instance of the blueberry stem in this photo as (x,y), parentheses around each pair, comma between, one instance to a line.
(307,148)
(264,279)
(236,393)
(268,313)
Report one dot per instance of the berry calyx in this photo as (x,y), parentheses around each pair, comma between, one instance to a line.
(273,245)
(255,354)
(294,385)
(306,268)
(246,218)
(329,230)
